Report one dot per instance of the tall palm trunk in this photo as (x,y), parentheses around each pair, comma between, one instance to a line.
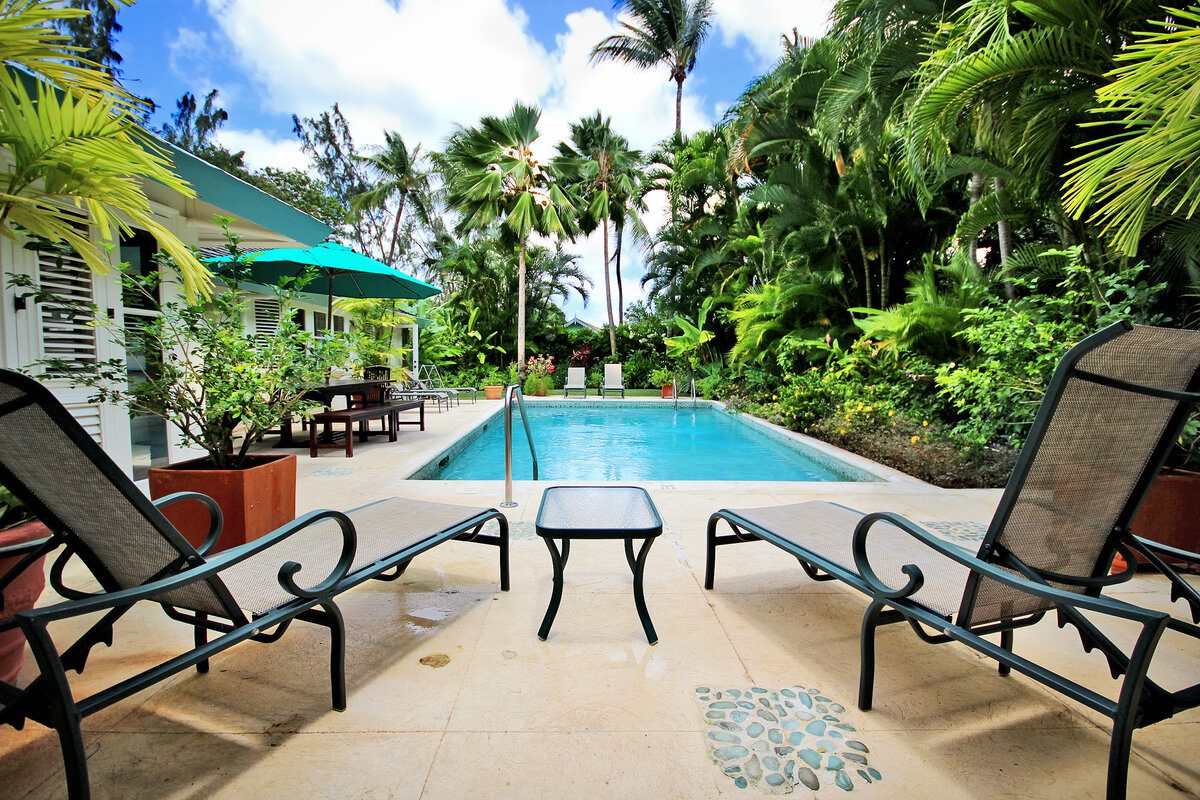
(521,309)
(1004,235)
(620,288)
(679,105)
(612,325)
(391,259)
(976,190)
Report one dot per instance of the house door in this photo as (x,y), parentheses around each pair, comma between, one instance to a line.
(147,432)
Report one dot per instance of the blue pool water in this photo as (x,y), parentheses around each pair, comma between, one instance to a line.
(589,443)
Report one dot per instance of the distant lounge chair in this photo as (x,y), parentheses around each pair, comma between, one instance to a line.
(251,592)
(576,381)
(1110,416)
(433,380)
(613,381)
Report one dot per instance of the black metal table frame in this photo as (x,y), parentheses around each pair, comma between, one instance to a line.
(637,563)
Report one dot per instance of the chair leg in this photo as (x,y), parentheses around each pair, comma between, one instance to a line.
(201,639)
(64,715)
(337,653)
(1006,642)
(503,522)
(866,670)
(710,558)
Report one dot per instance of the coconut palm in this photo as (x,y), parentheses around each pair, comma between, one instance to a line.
(401,179)
(603,170)
(492,176)
(667,32)
(75,142)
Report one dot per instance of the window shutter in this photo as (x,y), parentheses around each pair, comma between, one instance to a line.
(66,333)
(266,317)
(88,415)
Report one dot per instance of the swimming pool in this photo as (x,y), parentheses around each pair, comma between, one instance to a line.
(614,441)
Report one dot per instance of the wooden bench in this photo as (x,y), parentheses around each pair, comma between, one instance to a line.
(388,412)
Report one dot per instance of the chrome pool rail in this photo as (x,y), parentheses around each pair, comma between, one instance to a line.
(509,393)
(675,393)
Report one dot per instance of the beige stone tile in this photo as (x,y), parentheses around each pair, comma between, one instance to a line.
(182,765)
(597,766)
(284,687)
(596,671)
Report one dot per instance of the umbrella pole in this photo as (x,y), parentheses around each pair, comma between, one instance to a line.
(329,307)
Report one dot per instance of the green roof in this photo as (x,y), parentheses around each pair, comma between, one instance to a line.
(217,187)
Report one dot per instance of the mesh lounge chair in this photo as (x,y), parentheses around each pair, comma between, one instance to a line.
(576,381)
(1117,402)
(433,379)
(250,592)
(613,382)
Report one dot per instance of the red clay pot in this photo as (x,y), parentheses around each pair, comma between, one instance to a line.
(20,595)
(667,391)
(1170,514)
(254,501)
(493,392)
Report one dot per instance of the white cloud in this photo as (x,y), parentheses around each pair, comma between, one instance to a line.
(264,149)
(761,23)
(416,66)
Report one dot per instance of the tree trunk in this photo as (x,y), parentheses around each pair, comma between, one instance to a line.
(612,325)
(391,260)
(1004,235)
(521,309)
(976,189)
(620,289)
(678,106)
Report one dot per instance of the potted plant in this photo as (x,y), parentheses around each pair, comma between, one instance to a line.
(493,385)
(1171,509)
(222,387)
(664,378)
(538,370)
(17,527)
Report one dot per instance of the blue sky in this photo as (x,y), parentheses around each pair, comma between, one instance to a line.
(422,66)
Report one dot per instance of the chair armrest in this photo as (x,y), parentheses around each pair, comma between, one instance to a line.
(208,569)
(1149,544)
(1103,605)
(216,520)
(23,548)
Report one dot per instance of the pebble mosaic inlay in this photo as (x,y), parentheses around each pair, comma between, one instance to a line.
(776,741)
(334,472)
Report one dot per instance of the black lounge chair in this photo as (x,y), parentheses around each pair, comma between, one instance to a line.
(249,592)
(1111,413)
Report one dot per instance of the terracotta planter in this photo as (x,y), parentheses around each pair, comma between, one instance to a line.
(493,392)
(254,501)
(667,391)
(20,595)
(1170,514)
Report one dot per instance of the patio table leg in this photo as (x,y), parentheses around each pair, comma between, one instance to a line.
(556,593)
(639,596)
(629,556)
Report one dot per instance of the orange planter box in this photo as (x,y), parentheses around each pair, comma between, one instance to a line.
(254,501)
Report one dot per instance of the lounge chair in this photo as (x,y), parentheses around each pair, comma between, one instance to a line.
(251,592)
(613,382)
(1111,413)
(433,380)
(576,381)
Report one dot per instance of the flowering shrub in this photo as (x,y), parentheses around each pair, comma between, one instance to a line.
(540,367)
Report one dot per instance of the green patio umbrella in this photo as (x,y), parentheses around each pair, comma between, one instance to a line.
(341,272)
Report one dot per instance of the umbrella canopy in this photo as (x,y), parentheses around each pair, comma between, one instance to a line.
(341,272)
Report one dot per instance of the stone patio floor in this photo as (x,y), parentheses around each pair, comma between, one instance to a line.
(452,695)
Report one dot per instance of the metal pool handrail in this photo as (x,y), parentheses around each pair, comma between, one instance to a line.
(509,392)
(675,392)
(693,393)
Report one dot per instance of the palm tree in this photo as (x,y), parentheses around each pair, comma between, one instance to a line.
(402,177)
(603,169)
(492,176)
(666,32)
(75,142)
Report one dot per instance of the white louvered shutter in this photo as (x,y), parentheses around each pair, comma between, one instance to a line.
(266,317)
